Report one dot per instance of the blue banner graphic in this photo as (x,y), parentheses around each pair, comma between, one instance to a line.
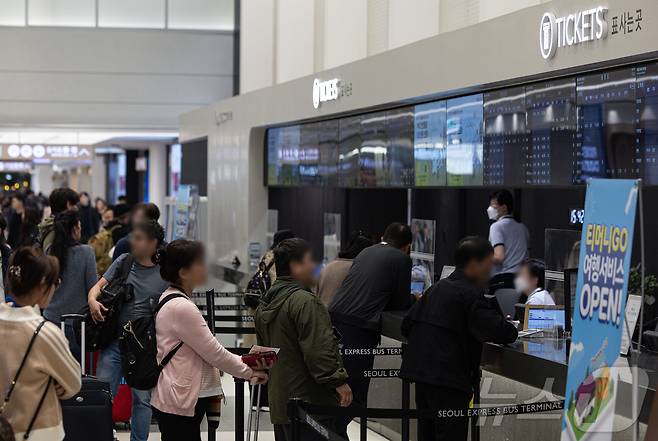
(598,312)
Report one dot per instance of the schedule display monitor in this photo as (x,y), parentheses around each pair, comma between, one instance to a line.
(464,137)
(328,151)
(505,137)
(430,144)
(647,133)
(283,150)
(606,146)
(400,147)
(552,123)
(349,148)
(373,150)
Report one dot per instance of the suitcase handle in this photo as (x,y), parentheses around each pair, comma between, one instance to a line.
(63,318)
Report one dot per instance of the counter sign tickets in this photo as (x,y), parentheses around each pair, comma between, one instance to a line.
(604,264)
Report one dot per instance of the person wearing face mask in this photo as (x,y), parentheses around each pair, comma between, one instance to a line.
(445,331)
(509,239)
(530,283)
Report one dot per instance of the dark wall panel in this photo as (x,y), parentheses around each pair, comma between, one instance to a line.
(302,210)
(372,210)
(194,165)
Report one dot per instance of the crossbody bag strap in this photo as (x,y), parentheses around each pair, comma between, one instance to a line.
(21,366)
(26,435)
(167,358)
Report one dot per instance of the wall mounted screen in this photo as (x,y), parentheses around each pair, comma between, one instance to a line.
(505,137)
(551,115)
(464,162)
(558,132)
(430,144)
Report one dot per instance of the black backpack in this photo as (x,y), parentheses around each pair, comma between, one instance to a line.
(258,285)
(101,334)
(139,350)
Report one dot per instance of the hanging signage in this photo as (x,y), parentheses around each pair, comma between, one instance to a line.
(46,152)
(571,30)
(598,322)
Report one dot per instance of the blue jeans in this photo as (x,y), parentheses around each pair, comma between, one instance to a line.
(73,342)
(109,369)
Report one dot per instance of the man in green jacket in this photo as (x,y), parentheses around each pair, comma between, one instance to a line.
(293,319)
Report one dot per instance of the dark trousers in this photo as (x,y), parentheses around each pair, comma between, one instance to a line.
(355,365)
(283,432)
(442,398)
(178,427)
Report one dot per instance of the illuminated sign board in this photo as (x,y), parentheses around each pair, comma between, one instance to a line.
(45,152)
(571,30)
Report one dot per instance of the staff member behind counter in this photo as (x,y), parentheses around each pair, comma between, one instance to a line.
(379,280)
(509,239)
(445,330)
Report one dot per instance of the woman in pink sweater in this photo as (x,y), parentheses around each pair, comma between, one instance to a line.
(181,397)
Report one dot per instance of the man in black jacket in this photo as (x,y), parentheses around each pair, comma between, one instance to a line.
(445,331)
(379,280)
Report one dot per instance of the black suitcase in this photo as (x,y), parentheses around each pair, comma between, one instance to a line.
(88,415)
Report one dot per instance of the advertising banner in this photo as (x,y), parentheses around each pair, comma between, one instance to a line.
(598,312)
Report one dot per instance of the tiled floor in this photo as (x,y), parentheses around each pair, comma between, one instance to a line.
(226,429)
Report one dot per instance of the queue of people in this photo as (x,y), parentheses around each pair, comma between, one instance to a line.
(309,320)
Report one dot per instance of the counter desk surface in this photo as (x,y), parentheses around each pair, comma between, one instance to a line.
(542,363)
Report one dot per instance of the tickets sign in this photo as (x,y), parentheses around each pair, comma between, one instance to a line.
(598,318)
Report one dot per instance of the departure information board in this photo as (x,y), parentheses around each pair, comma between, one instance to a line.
(400,155)
(430,144)
(647,133)
(606,146)
(553,133)
(373,151)
(309,155)
(328,146)
(464,138)
(349,147)
(505,137)
(552,122)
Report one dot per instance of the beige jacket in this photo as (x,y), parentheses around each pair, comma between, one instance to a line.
(50,357)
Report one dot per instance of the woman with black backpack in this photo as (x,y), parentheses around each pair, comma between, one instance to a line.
(35,356)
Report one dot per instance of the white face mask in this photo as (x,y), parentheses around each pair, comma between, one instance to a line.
(492,213)
(521,284)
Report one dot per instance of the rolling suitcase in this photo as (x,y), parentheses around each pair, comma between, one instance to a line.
(88,415)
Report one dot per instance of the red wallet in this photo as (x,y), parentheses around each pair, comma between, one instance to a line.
(251,360)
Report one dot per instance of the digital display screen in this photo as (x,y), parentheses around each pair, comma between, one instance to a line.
(349,146)
(464,141)
(545,318)
(283,153)
(552,123)
(374,150)
(328,146)
(505,137)
(606,146)
(309,155)
(647,133)
(400,160)
(430,144)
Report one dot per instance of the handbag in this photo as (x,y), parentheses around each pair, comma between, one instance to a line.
(101,334)
(6,430)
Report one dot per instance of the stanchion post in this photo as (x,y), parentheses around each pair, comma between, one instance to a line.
(210,309)
(239,409)
(406,402)
(293,416)
(475,428)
